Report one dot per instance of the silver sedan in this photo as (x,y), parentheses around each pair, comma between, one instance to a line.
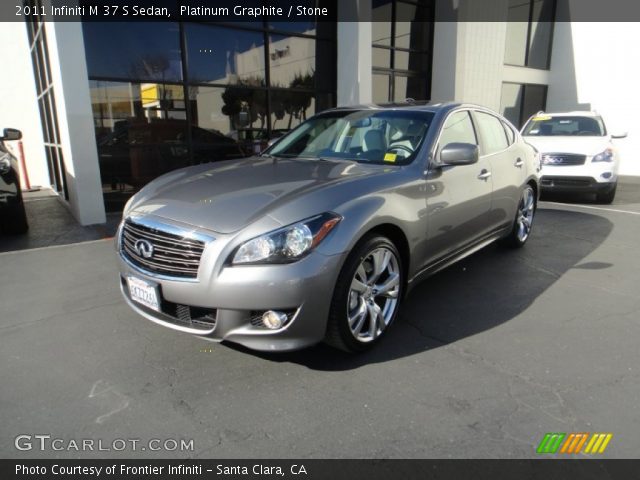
(320,237)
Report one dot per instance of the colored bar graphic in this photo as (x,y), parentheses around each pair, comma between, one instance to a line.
(550,443)
(573,443)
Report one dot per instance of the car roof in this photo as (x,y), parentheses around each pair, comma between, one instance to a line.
(575,113)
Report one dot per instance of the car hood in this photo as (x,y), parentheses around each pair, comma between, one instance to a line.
(581,145)
(227,196)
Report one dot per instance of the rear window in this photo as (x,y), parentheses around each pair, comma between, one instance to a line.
(548,126)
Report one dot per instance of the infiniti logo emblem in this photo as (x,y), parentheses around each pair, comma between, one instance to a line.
(548,159)
(144,248)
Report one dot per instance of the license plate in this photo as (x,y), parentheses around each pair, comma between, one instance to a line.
(143,293)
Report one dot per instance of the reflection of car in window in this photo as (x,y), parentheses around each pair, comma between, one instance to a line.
(137,151)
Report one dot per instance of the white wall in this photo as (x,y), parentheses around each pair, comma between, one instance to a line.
(18,102)
(595,66)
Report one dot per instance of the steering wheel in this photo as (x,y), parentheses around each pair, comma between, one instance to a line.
(401,147)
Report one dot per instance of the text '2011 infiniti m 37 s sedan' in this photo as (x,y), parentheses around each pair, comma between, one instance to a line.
(321,236)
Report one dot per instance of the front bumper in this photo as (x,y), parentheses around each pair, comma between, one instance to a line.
(589,178)
(562,184)
(226,300)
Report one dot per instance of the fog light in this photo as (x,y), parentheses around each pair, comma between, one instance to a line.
(606,175)
(273,320)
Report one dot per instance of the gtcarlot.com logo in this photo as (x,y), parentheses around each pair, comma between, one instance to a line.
(45,442)
(589,443)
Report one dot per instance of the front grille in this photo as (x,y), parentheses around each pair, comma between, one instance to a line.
(565,182)
(172,255)
(563,159)
(193,317)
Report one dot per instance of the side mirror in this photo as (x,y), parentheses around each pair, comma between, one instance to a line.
(615,135)
(11,134)
(459,154)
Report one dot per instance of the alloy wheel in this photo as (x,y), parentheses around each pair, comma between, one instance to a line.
(526,210)
(374,294)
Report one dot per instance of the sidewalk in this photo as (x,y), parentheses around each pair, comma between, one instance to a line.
(50,223)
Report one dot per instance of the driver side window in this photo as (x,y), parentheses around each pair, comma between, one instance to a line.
(458,129)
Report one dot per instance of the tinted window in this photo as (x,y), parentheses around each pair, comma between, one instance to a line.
(547,126)
(529,32)
(138,50)
(494,138)
(518,102)
(458,129)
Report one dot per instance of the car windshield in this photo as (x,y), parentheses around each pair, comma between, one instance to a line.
(548,126)
(371,136)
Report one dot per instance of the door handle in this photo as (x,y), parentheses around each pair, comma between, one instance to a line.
(484,175)
(519,163)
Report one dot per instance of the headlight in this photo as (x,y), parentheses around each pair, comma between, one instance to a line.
(606,156)
(287,244)
(5,163)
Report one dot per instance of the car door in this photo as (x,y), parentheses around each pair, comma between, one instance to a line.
(507,167)
(458,197)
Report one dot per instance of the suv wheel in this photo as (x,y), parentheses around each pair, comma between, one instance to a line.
(608,196)
(367,296)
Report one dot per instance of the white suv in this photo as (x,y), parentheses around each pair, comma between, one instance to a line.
(576,152)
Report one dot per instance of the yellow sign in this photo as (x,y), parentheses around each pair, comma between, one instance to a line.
(390,157)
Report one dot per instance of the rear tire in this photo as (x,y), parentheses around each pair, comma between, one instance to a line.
(523,223)
(607,197)
(367,296)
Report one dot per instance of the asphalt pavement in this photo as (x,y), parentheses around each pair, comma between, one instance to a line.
(487,357)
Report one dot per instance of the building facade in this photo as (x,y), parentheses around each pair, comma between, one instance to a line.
(106,107)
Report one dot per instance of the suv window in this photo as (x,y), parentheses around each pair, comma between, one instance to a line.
(564,125)
(511,136)
(458,129)
(493,135)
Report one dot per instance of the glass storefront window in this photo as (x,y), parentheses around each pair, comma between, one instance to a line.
(529,32)
(141,51)
(245,83)
(380,84)
(236,113)
(292,61)
(381,57)
(141,133)
(402,36)
(409,87)
(412,26)
(519,101)
(413,61)
(222,55)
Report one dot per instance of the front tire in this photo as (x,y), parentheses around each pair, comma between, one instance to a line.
(608,196)
(524,219)
(367,296)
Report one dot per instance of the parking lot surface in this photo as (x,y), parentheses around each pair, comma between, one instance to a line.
(487,357)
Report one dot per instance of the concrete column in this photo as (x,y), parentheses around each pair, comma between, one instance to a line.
(354,53)
(75,118)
